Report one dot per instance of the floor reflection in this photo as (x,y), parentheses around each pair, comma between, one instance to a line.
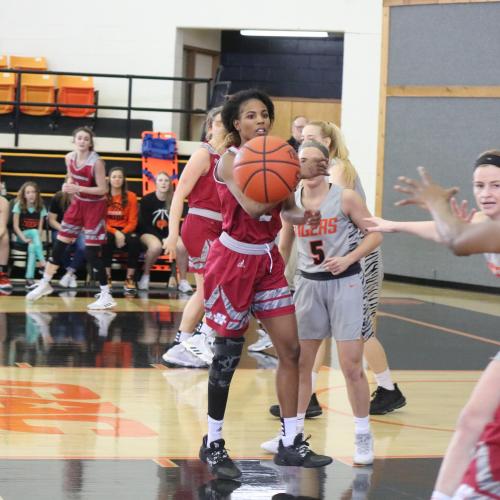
(93,339)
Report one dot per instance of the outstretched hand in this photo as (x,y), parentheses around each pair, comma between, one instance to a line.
(423,193)
(462,211)
(312,217)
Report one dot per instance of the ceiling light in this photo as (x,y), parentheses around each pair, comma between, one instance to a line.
(307,34)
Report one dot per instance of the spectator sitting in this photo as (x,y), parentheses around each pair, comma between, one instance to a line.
(153,223)
(75,253)
(121,223)
(5,284)
(28,219)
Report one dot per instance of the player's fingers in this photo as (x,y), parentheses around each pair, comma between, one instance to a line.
(404,189)
(424,175)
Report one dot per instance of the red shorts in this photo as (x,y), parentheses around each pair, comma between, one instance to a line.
(89,216)
(198,233)
(237,284)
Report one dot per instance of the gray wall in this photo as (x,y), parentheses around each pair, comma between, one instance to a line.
(439,45)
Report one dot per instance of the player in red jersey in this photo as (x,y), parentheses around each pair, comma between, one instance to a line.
(244,274)
(202,225)
(87,212)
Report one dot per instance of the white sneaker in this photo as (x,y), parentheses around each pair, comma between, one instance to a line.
(263,343)
(184,287)
(68,281)
(103,319)
(179,355)
(104,301)
(198,346)
(143,282)
(43,288)
(271,446)
(363,449)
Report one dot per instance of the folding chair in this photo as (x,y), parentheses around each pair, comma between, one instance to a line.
(38,88)
(7,91)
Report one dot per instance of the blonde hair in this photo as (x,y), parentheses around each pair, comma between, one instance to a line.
(338,149)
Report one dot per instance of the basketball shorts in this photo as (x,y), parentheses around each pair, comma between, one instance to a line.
(238,285)
(331,308)
(198,233)
(89,216)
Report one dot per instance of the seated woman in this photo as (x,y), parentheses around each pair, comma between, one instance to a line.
(121,223)
(75,254)
(29,214)
(153,223)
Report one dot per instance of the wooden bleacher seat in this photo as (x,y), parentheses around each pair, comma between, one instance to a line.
(76,90)
(7,91)
(38,88)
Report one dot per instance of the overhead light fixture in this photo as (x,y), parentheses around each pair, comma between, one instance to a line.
(304,34)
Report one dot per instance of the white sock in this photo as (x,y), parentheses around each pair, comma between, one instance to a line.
(314,380)
(300,422)
(361,425)
(437,495)
(181,336)
(214,429)
(104,289)
(70,270)
(209,332)
(46,277)
(288,430)
(384,380)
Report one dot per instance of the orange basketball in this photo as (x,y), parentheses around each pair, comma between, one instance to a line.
(266,169)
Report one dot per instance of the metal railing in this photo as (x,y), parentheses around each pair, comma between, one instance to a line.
(129,108)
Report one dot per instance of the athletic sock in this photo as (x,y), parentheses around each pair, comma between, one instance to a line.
(300,422)
(105,289)
(214,429)
(288,430)
(209,332)
(46,277)
(181,336)
(384,380)
(361,425)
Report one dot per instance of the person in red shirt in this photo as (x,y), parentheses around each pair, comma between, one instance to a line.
(121,223)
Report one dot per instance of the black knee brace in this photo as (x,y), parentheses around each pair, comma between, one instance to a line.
(226,359)
(93,256)
(58,252)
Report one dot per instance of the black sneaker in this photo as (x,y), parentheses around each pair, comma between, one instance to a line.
(313,409)
(217,459)
(385,401)
(217,489)
(299,454)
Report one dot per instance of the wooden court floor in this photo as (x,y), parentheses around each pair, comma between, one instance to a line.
(89,411)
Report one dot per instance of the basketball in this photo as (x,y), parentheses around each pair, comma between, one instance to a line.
(267,169)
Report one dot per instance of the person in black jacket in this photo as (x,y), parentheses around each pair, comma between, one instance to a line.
(153,223)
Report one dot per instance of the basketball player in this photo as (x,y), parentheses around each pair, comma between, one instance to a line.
(329,290)
(387,397)
(87,212)
(482,235)
(244,274)
(203,224)
(478,429)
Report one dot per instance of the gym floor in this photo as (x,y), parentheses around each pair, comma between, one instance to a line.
(91,412)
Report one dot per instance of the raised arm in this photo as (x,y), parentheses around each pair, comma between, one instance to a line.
(462,238)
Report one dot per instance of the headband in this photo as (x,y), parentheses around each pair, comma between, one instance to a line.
(315,144)
(488,159)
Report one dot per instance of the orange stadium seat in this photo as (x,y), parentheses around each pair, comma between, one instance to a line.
(7,91)
(38,88)
(3,62)
(34,63)
(76,90)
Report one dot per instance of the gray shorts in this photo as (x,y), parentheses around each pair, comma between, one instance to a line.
(331,308)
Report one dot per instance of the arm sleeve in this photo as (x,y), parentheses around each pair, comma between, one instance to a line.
(109,227)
